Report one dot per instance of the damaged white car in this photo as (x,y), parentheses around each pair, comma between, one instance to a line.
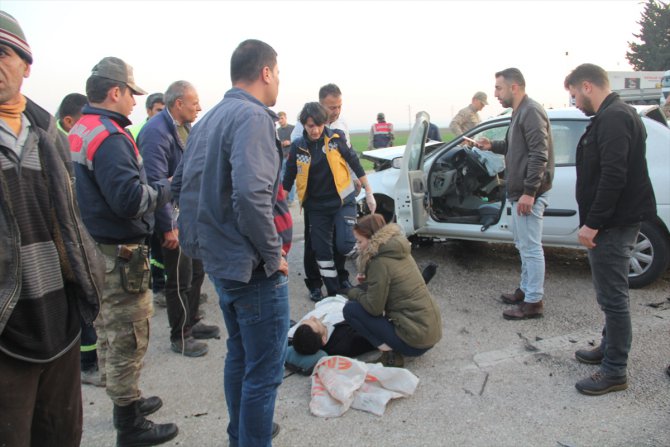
(450,191)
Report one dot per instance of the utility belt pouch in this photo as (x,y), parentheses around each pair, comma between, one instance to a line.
(134,267)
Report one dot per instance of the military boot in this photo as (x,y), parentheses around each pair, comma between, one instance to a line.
(134,430)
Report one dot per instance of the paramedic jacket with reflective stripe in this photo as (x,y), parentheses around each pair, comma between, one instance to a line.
(333,178)
(116,202)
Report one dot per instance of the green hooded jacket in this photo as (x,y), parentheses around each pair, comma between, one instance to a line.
(396,289)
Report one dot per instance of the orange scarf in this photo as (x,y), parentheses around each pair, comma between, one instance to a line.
(11,114)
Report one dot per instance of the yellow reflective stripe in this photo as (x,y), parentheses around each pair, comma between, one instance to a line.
(88,348)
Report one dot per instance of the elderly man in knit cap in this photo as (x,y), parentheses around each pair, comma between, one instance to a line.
(52,274)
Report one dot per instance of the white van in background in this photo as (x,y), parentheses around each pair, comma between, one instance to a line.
(665,87)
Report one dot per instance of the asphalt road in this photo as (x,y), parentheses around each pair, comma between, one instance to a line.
(489,382)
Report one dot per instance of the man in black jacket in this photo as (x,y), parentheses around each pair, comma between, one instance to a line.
(614,194)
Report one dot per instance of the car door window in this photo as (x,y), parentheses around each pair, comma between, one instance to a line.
(494,133)
(566,135)
(416,153)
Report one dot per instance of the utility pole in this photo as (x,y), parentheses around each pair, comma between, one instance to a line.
(409,116)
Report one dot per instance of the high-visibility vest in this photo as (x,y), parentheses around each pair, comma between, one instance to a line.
(87,135)
(382,134)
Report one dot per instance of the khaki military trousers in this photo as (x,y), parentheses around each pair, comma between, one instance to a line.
(123,332)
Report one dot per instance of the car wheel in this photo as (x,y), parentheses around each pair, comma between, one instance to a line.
(651,255)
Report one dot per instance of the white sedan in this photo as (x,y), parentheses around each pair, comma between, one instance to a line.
(451,191)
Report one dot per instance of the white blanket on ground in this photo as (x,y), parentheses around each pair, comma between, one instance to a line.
(339,383)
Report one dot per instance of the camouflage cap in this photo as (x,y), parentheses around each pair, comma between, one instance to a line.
(115,69)
(482,97)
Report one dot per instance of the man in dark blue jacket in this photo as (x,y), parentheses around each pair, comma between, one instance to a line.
(614,194)
(118,207)
(227,221)
(162,141)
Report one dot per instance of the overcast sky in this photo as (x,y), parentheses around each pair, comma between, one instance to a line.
(395,57)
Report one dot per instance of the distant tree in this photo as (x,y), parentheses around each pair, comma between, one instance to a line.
(653,53)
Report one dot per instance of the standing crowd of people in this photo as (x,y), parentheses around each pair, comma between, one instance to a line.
(75,254)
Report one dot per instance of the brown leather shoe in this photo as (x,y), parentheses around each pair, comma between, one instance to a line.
(525,311)
(513,298)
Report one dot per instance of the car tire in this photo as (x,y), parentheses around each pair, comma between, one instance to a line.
(651,256)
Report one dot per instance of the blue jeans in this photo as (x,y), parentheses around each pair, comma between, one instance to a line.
(377,330)
(610,263)
(527,231)
(257,318)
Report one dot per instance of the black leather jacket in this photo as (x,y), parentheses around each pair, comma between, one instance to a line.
(613,186)
(83,265)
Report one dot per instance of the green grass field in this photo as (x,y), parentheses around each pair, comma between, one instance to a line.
(360,142)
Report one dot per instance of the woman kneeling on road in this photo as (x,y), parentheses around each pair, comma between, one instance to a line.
(392,307)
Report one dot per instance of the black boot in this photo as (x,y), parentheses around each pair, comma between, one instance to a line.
(133,430)
(149,405)
(429,272)
(314,290)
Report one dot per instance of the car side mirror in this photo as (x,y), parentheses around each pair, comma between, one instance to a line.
(396,162)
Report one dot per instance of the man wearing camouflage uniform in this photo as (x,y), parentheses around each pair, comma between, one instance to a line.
(467,118)
(117,208)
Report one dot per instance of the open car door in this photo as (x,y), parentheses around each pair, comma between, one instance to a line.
(411,188)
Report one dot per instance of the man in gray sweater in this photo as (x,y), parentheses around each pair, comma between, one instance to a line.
(529,160)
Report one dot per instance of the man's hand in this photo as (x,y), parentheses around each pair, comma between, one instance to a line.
(285,143)
(171,239)
(484,144)
(586,236)
(283,266)
(525,205)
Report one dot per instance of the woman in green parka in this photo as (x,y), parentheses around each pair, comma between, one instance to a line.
(392,306)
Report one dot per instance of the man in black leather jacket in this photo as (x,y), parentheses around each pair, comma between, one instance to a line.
(614,194)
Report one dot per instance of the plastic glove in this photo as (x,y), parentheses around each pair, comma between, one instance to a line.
(370,200)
